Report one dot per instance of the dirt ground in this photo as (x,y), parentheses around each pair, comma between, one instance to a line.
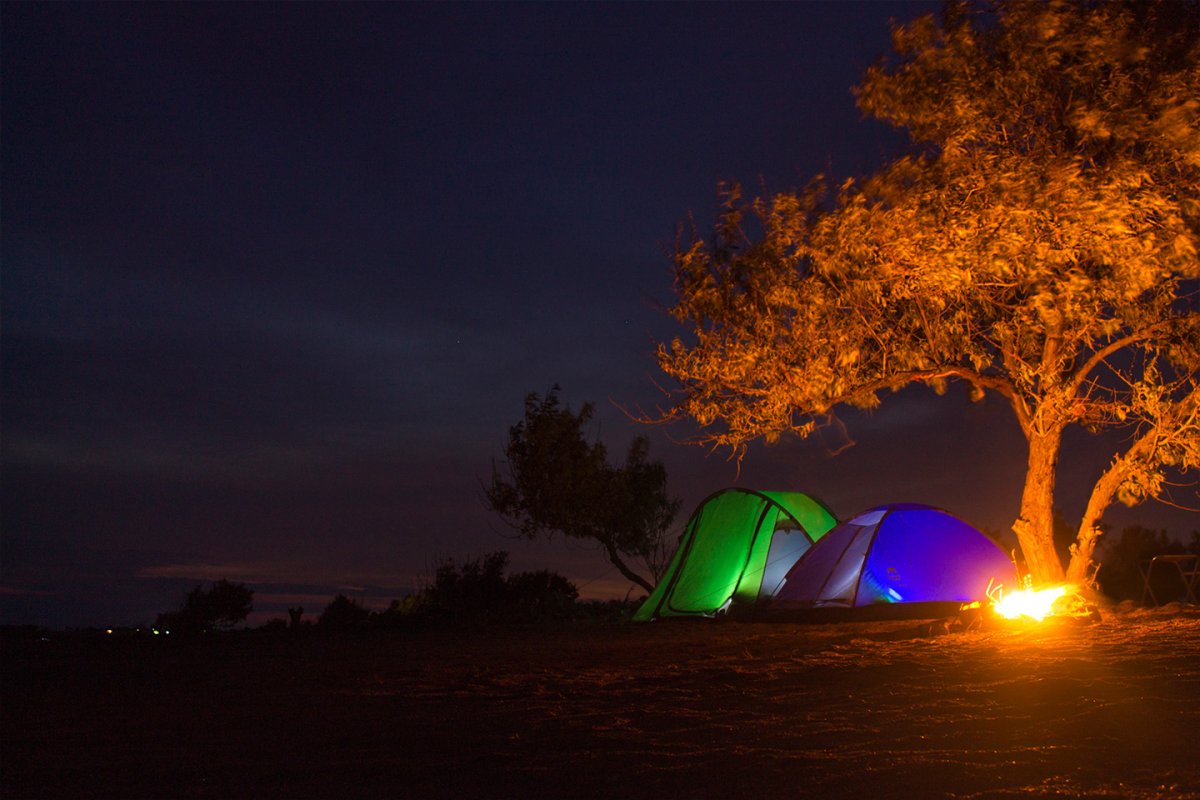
(667,709)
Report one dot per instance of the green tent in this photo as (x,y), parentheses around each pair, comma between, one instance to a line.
(735,551)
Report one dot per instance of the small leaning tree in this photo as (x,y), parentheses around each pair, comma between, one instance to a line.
(1039,243)
(555,480)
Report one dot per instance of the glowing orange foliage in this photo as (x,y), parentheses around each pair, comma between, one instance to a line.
(1039,243)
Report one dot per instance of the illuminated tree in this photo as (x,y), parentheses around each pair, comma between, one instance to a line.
(555,480)
(1039,243)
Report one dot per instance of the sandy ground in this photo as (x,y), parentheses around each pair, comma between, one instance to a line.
(681,710)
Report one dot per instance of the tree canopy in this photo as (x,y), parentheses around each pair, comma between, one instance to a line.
(555,480)
(222,605)
(1039,242)
(342,614)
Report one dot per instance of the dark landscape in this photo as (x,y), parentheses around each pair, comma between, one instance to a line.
(686,709)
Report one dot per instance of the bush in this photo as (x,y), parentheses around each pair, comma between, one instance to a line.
(222,606)
(477,591)
(342,614)
(541,594)
(474,590)
(400,612)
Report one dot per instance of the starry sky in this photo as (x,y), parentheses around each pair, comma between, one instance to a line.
(277,277)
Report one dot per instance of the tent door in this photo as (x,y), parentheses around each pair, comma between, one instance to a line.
(788,543)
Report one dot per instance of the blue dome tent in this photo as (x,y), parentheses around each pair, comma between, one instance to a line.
(900,560)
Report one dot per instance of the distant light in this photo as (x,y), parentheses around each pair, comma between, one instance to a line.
(108,631)
(154,631)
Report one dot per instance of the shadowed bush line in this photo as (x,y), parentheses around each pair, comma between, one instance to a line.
(476,593)
(473,593)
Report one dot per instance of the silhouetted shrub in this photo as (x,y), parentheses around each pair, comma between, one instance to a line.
(541,594)
(295,618)
(401,612)
(342,614)
(222,606)
(476,591)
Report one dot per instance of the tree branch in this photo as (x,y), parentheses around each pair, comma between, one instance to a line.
(997,384)
(615,557)
(1100,356)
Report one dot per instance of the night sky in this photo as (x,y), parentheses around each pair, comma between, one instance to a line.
(276,279)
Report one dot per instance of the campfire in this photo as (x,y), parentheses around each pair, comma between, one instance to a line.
(1034,604)
(1064,601)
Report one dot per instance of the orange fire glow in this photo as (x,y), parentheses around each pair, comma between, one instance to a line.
(1034,604)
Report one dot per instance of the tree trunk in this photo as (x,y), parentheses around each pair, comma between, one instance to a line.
(615,558)
(1035,527)
(1089,526)
(1078,572)
(1103,494)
